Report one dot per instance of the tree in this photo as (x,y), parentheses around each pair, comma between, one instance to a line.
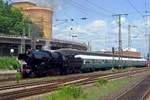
(12,21)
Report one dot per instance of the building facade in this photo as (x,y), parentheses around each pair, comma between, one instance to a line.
(41,19)
(125,54)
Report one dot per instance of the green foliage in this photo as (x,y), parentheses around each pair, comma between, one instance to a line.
(18,77)
(102,81)
(67,93)
(95,93)
(9,63)
(12,21)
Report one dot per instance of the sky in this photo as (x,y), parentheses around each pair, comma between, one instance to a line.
(100,28)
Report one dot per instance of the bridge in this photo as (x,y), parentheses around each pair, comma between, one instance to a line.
(14,42)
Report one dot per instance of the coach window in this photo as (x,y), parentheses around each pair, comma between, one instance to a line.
(103,61)
(94,61)
(125,61)
(87,61)
(84,61)
(106,61)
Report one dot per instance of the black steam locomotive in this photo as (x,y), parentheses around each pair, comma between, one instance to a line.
(41,63)
(65,61)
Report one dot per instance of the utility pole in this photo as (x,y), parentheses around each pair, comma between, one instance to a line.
(148,54)
(119,36)
(23,40)
(29,29)
(129,37)
(146,16)
(89,48)
(149,47)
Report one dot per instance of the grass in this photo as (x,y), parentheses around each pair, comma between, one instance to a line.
(101,81)
(101,87)
(95,92)
(18,77)
(71,92)
(9,63)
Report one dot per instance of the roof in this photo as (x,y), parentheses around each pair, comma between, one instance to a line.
(38,8)
(130,49)
(23,2)
(107,58)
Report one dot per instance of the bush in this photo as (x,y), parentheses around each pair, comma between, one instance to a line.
(102,81)
(18,77)
(9,63)
(71,92)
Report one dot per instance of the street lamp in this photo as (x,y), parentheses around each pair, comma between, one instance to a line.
(12,52)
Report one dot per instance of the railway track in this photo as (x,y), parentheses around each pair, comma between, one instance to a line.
(23,91)
(146,95)
(45,81)
(140,91)
(10,86)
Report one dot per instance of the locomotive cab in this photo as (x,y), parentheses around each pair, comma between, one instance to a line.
(35,61)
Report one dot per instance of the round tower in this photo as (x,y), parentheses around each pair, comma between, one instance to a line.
(41,18)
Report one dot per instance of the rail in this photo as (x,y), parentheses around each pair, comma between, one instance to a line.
(138,92)
(51,86)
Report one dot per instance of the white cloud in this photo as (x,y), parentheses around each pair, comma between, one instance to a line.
(94,32)
(93,27)
(123,30)
(55,28)
(97,25)
(75,29)
(99,34)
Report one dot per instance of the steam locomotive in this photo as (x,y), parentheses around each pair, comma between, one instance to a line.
(65,61)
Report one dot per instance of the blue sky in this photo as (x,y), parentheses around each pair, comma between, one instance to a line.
(100,29)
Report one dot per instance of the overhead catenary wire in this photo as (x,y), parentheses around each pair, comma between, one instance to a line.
(67,19)
(145,6)
(84,8)
(129,22)
(61,23)
(70,20)
(138,31)
(78,7)
(101,8)
(87,9)
(106,11)
(130,3)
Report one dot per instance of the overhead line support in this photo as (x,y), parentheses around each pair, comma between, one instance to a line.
(119,36)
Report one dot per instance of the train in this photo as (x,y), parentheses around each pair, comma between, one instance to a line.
(66,61)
